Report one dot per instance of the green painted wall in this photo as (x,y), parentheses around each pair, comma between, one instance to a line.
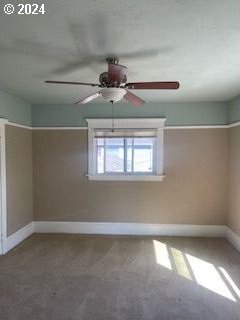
(15,109)
(208,113)
(234,110)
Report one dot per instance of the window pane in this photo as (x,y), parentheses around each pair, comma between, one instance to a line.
(129,144)
(100,155)
(119,155)
(114,154)
(143,154)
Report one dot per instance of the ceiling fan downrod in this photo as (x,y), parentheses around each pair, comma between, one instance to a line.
(112,60)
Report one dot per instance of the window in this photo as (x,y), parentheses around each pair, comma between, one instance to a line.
(132,150)
(125,155)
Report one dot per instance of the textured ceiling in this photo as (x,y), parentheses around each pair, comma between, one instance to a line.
(193,41)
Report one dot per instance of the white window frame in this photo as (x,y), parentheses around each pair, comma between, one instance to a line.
(122,123)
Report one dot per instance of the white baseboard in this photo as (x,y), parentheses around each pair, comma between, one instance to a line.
(233,238)
(17,237)
(130,229)
(111,228)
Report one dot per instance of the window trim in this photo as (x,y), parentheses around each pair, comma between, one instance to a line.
(124,123)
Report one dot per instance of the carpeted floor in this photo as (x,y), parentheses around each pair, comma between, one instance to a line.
(72,277)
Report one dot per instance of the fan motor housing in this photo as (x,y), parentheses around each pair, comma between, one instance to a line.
(104,80)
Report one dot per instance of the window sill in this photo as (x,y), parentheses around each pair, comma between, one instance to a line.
(102,177)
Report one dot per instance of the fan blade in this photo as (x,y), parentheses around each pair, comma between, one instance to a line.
(74,83)
(89,98)
(116,72)
(153,85)
(133,99)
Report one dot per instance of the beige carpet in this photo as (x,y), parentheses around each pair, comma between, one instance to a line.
(71,277)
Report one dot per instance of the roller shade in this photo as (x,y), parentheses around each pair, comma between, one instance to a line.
(124,133)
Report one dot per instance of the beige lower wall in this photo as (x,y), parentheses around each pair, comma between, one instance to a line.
(234,180)
(193,192)
(18,178)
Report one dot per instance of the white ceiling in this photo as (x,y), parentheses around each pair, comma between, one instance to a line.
(196,42)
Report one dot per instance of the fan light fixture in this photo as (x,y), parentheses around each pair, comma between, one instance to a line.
(113,94)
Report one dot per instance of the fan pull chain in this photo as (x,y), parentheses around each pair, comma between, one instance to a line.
(112,117)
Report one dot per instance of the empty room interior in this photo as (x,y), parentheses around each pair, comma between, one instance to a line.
(120,160)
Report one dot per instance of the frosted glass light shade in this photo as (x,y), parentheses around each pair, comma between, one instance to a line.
(113,94)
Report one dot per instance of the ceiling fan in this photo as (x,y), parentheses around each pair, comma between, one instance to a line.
(114,86)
